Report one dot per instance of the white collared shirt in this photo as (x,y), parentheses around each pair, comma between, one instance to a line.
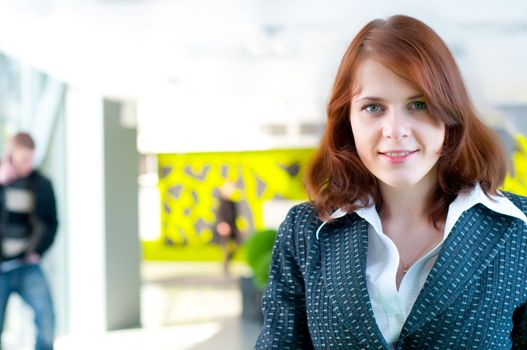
(391,307)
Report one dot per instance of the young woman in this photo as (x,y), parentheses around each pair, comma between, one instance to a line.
(406,243)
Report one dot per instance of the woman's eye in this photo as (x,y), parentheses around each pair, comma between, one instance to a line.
(372,108)
(418,105)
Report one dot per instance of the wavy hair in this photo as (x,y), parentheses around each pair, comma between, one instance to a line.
(471,153)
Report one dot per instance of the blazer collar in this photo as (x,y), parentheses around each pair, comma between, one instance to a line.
(343,257)
(476,239)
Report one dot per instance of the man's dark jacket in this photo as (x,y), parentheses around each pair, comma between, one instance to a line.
(37,225)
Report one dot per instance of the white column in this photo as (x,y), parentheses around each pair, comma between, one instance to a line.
(85,211)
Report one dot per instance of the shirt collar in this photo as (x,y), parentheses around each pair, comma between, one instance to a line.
(469,198)
(464,201)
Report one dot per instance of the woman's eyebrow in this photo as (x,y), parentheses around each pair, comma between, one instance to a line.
(369,98)
(380,99)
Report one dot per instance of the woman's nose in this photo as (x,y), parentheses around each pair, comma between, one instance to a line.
(396,125)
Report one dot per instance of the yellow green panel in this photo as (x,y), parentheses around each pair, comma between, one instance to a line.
(189,184)
(517,182)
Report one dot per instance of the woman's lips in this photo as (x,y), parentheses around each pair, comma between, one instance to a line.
(397,156)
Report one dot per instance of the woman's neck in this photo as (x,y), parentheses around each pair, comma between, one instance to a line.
(407,207)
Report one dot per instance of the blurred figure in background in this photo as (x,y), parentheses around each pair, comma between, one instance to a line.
(28,223)
(226,231)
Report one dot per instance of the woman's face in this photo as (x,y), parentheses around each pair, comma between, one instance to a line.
(396,137)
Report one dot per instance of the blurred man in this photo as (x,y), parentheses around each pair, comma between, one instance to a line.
(28,223)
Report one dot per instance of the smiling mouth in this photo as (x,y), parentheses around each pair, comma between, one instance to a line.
(397,154)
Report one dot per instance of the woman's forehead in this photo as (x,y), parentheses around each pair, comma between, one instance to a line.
(374,80)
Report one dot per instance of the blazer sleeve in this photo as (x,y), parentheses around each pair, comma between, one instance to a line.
(283,303)
(519,318)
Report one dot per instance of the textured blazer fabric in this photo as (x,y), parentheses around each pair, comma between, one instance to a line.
(317,298)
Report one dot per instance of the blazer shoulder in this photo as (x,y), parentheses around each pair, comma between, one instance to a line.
(518,200)
(302,218)
(297,232)
(303,211)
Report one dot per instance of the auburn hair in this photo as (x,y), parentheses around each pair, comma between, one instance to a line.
(471,153)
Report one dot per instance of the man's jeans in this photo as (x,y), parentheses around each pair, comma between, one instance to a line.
(29,282)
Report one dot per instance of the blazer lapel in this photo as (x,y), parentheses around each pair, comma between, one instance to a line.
(343,257)
(474,241)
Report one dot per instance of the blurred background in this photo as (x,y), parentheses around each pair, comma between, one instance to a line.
(142,110)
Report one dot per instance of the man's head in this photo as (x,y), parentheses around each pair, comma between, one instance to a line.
(21,155)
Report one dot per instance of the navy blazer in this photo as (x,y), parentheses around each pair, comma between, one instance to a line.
(316,297)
